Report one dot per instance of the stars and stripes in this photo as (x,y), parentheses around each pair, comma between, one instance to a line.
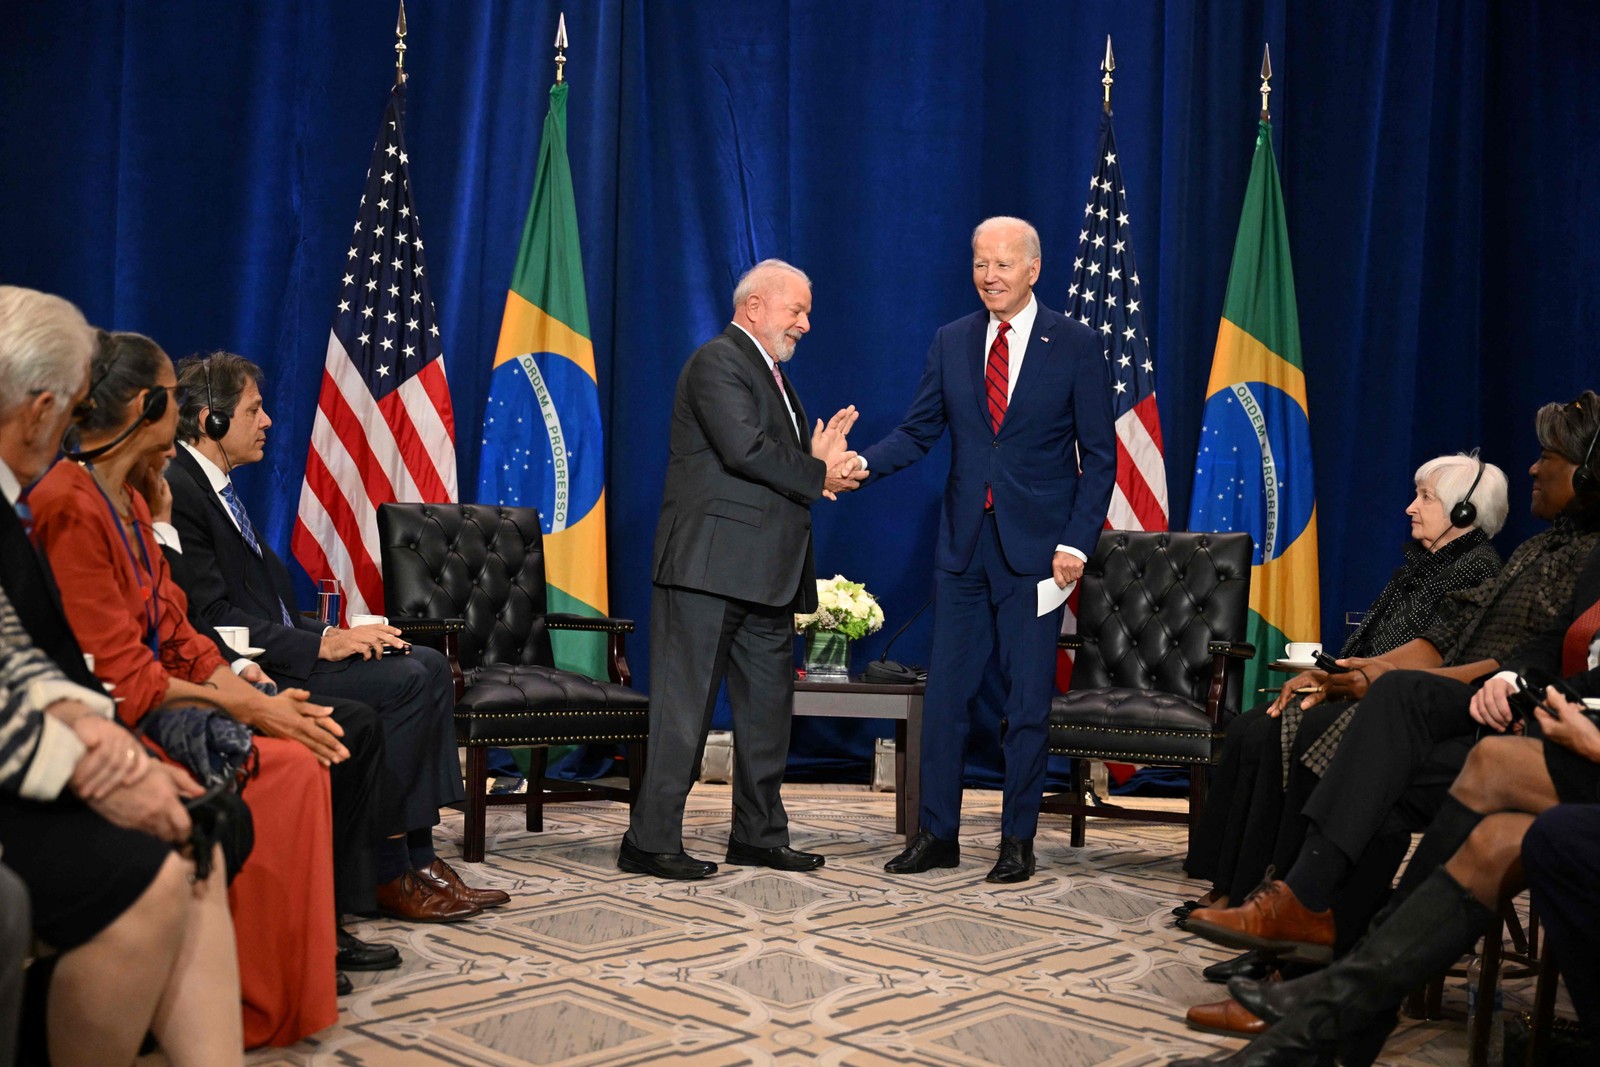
(384,428)
(1105,295)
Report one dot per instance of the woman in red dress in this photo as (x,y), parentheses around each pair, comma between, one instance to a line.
(96,528)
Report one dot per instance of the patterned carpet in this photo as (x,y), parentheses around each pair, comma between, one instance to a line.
(846,965)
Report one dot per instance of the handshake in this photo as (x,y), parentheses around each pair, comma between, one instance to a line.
(846,470)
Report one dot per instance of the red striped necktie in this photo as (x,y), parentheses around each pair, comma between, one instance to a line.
(1580,635)
(996,384)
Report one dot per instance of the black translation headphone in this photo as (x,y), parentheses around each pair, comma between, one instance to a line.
(1465,513)
(216,422)
(1584,479)
(155,406)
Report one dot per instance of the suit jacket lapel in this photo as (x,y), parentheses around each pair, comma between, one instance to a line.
(750,352)
(978,364)
(193,469)
(1041,348)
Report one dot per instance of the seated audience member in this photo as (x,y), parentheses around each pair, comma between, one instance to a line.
(1406,742)
(232,578)
(1469,862)
(1440,558)
(1477,628)
(1561,858)
(95,531)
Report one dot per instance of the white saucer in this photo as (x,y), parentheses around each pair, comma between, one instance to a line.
(252,652)
(1303,664)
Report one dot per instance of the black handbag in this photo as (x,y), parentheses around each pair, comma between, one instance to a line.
(220,752)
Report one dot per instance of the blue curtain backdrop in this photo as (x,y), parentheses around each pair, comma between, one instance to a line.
(191,170)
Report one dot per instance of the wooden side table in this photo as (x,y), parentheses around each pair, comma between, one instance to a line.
(864,700)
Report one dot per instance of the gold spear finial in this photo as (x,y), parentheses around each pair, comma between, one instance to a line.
(1107,65)
(1266,77)
(400,47)
(561,47)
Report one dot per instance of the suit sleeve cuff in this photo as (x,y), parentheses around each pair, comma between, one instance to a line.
(1069,550)
(53,761)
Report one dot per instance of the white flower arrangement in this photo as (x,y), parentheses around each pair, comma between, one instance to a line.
(843,606)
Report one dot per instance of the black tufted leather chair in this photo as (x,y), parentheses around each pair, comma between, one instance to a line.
(1160,651)
(470,578)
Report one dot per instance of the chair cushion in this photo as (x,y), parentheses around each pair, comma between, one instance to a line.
(528,705)
(1137,725)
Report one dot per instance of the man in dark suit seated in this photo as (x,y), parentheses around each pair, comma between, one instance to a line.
(732,565)
(233,578)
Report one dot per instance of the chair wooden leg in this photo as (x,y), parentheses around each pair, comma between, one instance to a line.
(1080,785)
(538,764)
(1544,1008)
(474,833)
(1488,980)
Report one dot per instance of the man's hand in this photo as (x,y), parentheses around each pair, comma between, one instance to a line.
(363,641)
(149,478)
(1490,706)
(113,758)
(1066,567)
(833,438)
(1573,730)
(291,715)
(152,804)
(843,476)
(1307,687)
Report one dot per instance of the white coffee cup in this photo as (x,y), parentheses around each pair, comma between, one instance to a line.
(235,637)
(1301,651)
(369,620)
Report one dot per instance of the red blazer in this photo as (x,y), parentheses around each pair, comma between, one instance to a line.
(106,602)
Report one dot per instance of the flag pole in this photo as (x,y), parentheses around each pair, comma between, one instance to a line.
(561,48)
(1107,65)
(1266,77)
(400,46)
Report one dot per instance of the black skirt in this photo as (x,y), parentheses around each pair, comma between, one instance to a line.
(81,871)
(1577,780)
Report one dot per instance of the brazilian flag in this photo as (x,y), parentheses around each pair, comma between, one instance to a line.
(1253,473)
(542,441)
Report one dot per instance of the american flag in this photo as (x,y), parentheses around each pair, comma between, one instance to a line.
(384,429)
(1105,294)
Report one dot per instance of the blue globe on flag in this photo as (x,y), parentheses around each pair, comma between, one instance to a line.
(542,446)
(1252,467)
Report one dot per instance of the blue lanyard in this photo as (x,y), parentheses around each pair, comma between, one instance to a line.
(152,622)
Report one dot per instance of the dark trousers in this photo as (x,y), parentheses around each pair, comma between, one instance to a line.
(696,640)
(355,785)
(1404,747)
(985,608)
(414,698)
(16,939)
(1561,856)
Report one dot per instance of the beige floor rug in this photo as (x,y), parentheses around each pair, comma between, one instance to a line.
(590,966)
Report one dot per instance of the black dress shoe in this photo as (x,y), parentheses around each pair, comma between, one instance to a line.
(677,865)
(342,985)
(1016,861)
(1182,910)
(1253,964)
(779,857)
(923,853)
(358,955)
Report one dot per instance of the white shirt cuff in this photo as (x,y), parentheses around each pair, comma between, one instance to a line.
(240,664)
(53,761)
(1506,676)
(167,536)
(42,692)
(1069,550)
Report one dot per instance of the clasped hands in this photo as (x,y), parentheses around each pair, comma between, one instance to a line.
(830,444)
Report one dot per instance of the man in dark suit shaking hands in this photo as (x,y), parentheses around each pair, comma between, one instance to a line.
(732,565)
(1024,394)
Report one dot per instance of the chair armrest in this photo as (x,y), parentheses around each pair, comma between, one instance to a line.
(421,627)
(596,623)
(1070,642)
(1236,649)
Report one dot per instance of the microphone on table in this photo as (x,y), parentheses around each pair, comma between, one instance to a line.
(885,671)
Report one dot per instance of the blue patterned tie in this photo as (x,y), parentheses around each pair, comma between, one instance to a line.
(24,516)
(236,508)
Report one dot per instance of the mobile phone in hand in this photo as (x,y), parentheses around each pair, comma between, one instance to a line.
(397,650)
(1531,684)
(1327,663)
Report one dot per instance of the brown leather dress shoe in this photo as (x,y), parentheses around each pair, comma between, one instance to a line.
(414,900)
(1271,919)
(443,878)
(1226,1017)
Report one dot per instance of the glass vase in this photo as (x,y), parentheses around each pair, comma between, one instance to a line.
(827,656)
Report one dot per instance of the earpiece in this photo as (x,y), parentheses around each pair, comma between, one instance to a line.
(1584,479)
(216,422)
(1465,513)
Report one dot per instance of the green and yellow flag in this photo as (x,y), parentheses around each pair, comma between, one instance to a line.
(1253,472)
(542,440)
